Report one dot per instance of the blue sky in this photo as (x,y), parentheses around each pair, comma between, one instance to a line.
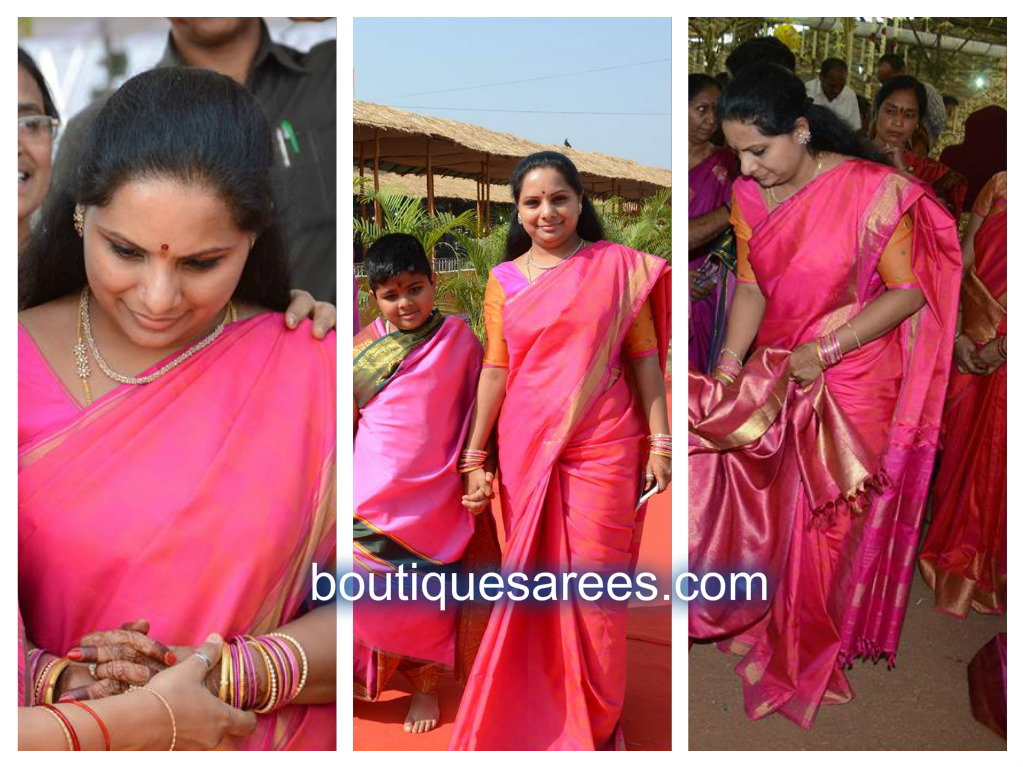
(396,58)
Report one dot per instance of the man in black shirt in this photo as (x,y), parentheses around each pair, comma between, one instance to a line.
(298,94)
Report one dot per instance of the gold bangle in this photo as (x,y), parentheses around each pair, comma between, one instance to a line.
(51,683)
(225,671)
(301,652)
(166,705)
(660,452)
(820,356)
(855,334)
(37,689)
(734,354)
(63,727)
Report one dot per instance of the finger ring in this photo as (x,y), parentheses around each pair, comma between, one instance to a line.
(202,656)
(651,476)
(92,671)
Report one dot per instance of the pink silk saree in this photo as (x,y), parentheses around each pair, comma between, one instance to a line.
(834,518)
(408,492)
(199,501)
(571,441)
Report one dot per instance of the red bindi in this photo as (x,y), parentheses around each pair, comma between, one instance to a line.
(165,246)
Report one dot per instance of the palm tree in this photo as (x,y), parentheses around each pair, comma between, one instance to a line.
(464,290)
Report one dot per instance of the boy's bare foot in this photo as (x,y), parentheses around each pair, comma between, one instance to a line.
(423,713)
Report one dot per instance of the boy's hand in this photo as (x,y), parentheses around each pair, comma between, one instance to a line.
(479,490)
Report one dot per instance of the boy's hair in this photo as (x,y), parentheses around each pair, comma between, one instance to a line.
(395,254)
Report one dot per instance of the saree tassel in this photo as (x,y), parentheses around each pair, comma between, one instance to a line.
(856,502)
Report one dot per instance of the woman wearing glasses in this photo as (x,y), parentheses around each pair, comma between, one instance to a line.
(37,127)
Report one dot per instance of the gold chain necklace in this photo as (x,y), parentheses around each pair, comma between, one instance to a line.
(530,262)
(770,189)
(85,338)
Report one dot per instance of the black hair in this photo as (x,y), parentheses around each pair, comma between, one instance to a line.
(393,255)
(187,124)
(772,98)
(588,227)
(894,60)
(828,64)
(948,99)
(27,63)
(698,82)
(903,83)
(760,50)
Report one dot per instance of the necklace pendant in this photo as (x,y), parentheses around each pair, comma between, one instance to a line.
(82,361)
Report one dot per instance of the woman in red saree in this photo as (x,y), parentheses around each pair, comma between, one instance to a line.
(901,106)
(964,556)
(183,457)
(577,330)
(810,462)
(711,172)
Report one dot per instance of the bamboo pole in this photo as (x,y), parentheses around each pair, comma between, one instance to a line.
(362,174)
(429,177)
(486,202)
(377,213)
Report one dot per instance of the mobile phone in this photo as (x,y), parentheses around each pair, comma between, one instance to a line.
(644,497)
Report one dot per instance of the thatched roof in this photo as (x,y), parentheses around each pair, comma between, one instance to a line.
(460,150)
(456,188)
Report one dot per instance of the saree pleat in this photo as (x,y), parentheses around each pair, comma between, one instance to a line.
(550,676)
(199,501)
(842,564)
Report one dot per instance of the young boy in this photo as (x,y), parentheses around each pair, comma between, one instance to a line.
(415,378)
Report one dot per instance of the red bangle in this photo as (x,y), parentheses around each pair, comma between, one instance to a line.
(75,745)
(102,727)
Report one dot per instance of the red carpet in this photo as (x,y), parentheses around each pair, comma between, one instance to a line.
(646,718)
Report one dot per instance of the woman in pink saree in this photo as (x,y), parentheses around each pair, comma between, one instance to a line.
(964,557)
(183,457)
(711,172)
(577,330)
(810,460)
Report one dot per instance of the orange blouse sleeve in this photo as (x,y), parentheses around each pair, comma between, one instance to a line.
(641,339)
(896,263)
(495,355)
(993,190)
(743,232)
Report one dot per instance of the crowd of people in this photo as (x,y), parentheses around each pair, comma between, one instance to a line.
(176,419)
(847,363)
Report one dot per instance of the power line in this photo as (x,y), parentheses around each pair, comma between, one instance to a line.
(527,80)
(537,111)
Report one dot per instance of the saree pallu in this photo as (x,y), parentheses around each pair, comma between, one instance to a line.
(199,501)
(710,187)
(964,557)
(415,392)
(841,559)
(571,439)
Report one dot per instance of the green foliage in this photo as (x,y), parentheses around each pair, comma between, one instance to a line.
(405,214)
(463,291)
(650,231)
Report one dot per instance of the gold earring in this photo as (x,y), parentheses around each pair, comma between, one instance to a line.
(79,220)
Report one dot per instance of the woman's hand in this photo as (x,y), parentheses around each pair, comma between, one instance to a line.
(895,154)
(658,471)
(966,358)
(479,489)
(805,364)
(122,657)
(697,291)
(990,357)
(303,305)
(202,720)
